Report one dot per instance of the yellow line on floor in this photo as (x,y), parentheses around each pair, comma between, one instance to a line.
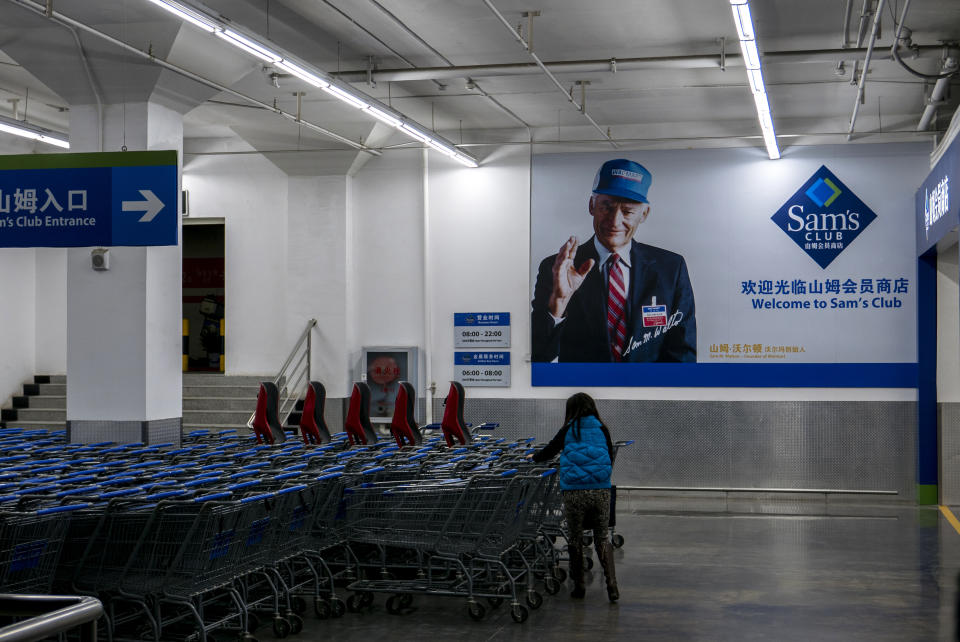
(951,518)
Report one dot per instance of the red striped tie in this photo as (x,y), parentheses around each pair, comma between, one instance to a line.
(616,308)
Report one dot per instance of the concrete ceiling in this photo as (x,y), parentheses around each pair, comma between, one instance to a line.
(453,66)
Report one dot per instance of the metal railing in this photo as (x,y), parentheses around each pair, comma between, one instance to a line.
(49,615)
(293,377)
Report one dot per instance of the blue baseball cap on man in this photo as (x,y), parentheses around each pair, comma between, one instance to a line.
(623,178)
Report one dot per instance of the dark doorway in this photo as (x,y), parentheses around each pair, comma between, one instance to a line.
(203,296)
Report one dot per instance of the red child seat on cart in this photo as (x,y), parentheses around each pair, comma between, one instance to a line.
(454,428)
(266,421)
(404,427)
(358,426)
(312,425)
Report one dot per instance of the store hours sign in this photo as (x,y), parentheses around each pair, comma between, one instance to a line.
(481,330)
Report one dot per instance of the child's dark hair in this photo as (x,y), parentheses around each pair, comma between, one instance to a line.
(578,406)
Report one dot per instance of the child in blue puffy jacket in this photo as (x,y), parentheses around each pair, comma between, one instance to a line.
(586,458)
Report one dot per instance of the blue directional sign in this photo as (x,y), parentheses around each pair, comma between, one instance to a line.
(81,200)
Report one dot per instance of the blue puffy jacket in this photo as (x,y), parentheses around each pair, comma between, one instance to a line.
(585,463)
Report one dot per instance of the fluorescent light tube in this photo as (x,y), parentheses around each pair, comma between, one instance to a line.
(383,116)
(345,96)
(184,13)
(463,160)
(443,149)
(26,131)
(751,57)
(755,76)
(415,133)
(248,45)
(743,21)
(302,73)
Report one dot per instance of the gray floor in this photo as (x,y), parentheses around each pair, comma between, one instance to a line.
(694,573)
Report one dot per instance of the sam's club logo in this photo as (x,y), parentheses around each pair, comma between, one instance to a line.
(823,217)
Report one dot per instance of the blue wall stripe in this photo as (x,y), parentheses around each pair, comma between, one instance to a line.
(752,375)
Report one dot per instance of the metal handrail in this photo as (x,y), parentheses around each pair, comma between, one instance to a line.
(49,615)
(294,375)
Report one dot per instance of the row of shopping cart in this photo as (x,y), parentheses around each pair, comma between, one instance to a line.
(215,534)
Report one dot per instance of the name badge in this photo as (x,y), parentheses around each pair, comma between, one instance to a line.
(654,315)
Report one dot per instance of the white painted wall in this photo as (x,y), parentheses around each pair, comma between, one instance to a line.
(17,331)
(387,241)
(317,274)
(948,325)
(250,193)
(51,310)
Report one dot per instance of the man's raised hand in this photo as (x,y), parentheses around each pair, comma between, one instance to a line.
(566,277)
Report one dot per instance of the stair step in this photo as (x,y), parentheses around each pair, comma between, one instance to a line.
(61,378)
(215,379)
(244,391)
(58,389)
(43,401)
(42,414)
(220,403)
(35,425)
(233,417)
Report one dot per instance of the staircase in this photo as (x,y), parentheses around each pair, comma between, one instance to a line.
(211,401)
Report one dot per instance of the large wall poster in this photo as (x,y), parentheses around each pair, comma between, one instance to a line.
(722,268)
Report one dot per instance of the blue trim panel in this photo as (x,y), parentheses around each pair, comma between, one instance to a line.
(725,375)
(927,456)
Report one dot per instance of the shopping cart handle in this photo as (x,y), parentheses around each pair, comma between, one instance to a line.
(292,489)
(214,496)
(256,498)
(41,489)
(165,494)
(78,491)
(508,472)
(9,498)
(333,469)
(243,473)
(548,472)
(327,476)
(122,492)
(383,456)
(375,469)
(629,442)
(61,509)
(431,427)
(487,425)
(201,482)
(285,476)
(416,457)
(294,468)
(246,484)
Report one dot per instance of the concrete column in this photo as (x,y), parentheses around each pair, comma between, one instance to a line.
(124,324)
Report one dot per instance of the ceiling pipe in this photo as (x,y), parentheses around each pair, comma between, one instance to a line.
(400,23)
(866,68)
(543,67)
(939,90)
(66,20)
(621,64)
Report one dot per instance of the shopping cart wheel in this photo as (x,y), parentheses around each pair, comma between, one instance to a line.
(281,628)
(476,611)
(494,601)
(321,608)
(617,540)
(298,604)
(337,607)
(355,603)
(559,573)
(393,605)
(551,585)
(588,562)
(296,623)
(366,598)
(534,600)
(406,600)
(519,613)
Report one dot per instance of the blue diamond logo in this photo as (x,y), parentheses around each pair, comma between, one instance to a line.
(823,217)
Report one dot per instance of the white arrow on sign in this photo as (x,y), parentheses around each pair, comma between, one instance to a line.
(150,207)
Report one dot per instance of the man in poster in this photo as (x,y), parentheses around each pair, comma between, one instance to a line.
(613,299)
